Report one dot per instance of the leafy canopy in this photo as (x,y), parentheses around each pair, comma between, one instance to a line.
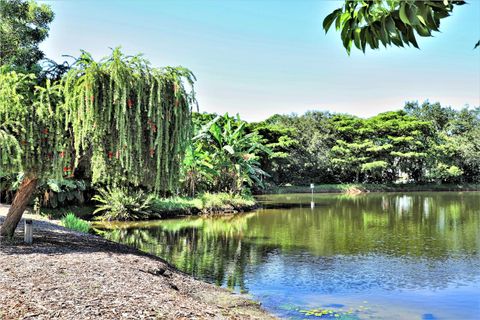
(32,126)
(387,22)
(23,25)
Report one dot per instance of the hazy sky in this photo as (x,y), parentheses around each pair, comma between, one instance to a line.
(262,57)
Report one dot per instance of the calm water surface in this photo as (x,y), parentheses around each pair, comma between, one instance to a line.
(375,256)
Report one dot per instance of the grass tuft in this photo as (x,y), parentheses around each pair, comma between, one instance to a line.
(70,221)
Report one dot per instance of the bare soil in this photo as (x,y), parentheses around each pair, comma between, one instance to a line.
(70,275)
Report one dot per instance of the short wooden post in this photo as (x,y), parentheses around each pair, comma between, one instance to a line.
(28,231)
(312,203)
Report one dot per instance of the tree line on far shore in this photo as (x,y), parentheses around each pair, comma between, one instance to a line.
(422,143)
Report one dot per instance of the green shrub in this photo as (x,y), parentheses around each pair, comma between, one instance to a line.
(70,221)
(176,204)
(119,204)
(61,192)
(214,202)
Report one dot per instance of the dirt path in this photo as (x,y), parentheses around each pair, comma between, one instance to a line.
(67,275)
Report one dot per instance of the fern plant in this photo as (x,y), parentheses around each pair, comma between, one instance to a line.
(119,204)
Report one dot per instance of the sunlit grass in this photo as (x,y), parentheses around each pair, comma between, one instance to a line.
(70,221)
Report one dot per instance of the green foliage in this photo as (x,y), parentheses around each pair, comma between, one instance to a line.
(175,205)
(60,192)
(204,203)
(119,204)
(445,173)
(70,221)
(280,140)
(374,166)
(9,184)
(456,140)
(372,187)
(412,145)
(224,156)
(23,25)
(134,119)
(381,147)
(130,122)
(32,130)
(387,22)
(220,202)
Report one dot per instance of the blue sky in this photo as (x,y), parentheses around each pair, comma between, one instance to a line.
(260,57)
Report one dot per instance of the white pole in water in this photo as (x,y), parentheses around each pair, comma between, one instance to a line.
(28,231)
(312,204)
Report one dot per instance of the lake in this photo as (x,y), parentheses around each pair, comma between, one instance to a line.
(372,256)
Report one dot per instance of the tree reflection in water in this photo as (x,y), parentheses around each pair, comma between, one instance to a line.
(406,230)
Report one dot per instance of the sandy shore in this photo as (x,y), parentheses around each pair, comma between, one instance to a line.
(68,275)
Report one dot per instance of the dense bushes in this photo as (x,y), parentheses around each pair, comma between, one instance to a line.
(60,192)
(119,204)
(222,202)
(54,193)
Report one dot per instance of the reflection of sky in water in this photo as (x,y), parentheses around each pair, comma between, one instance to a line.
(448,289)
(403,204)
(369,273)
(377,256)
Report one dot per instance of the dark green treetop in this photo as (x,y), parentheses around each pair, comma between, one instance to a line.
(23,25)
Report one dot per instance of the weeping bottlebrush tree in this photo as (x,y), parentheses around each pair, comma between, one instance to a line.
(129,120)
(133,121)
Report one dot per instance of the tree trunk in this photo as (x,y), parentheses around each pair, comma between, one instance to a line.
(19,204)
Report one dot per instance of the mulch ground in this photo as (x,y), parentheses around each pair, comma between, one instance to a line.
(69,275)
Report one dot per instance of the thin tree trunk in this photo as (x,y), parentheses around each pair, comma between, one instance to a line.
(19,204)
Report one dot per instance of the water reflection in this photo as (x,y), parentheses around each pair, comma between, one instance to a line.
(376,244)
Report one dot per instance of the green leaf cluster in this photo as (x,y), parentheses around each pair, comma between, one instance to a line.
(387,22)
(224,156)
